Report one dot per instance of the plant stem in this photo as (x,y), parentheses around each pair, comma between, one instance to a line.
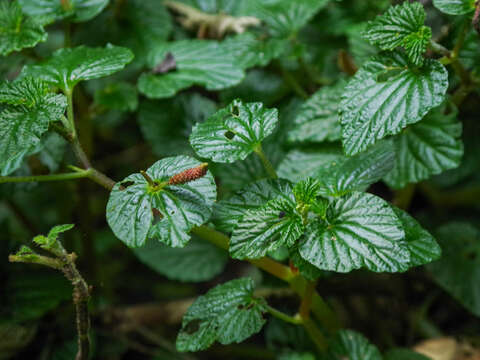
(266,163)
(70,116)
(315,334)
(306,303)
(282,316)
(290,80)
(41,178)
(438,48)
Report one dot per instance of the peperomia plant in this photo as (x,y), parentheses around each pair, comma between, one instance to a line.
(324,144)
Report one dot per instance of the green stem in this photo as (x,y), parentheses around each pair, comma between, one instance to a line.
(307,299)
(266,163)
(315,334)
(70,116)
(290,80)
(41,178)
(282,316)
(440,49)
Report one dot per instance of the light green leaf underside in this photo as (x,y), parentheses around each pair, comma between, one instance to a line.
(167,124)
(198,62)
(401,25)
(18,31)
(427,148)
(351,345)
(360,231)
(357,172)
(131,214)
(68,66)
(385,96)
(234,132)
(421,244)
(318,119)
(458,270)
(23,122)
(197,261)
(266,229)
(80,10)
(455,7)
(227,313)
(227,212)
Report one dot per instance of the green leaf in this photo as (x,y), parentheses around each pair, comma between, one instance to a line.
(167,124)
(301,164)
(455,7)
(421,244)
(404,354)
(23,122)
(120,96)
(285,17)
(52,151)
(250,51)
(385,96)
(458,271)
(427,148)
(401,25)
(318,119)
(14,338)
(228,212)
(197,62)
(228,314)
(360,231)
(296,356)
(197,261)
(137,211)
(307,270)
(58,229)
(77,10)
(68,66)
(266,229)
(282,336)
(351,345)
(233,132)
(18,31)
(356,172)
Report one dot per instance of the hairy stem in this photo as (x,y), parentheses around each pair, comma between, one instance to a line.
(42,178)
(282,316)
(266,163)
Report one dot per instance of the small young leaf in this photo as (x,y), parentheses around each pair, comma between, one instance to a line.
(455,7)
(58,229)
(78,10)
(266,229)
(351,345)
(385,96)
(318,119)
(68,66)
(227,212)
(18,31)
(360,231)
(421,244)
(402,25)
(198,62)
(234,132)
(197,261)
(427,148)
(137,210)
(458,271)
(228,314)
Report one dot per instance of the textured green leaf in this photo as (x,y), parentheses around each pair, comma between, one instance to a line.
(307,270)
(228,314)
(351,345)
(455,7)
(360,231)
(68,66)
(23,122)
(78,10)
(427,148)
(385,96)
(120,96)
(167,124)
(283,336)
(136,212)
(404,354)
(233,132)
(228,212)
(356,172)
(266,229)
(231,7)
(18,31)
(458,271)
(197,62)
(421,244)
(301,164)
(318,119)
(401,25)
(197,261)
